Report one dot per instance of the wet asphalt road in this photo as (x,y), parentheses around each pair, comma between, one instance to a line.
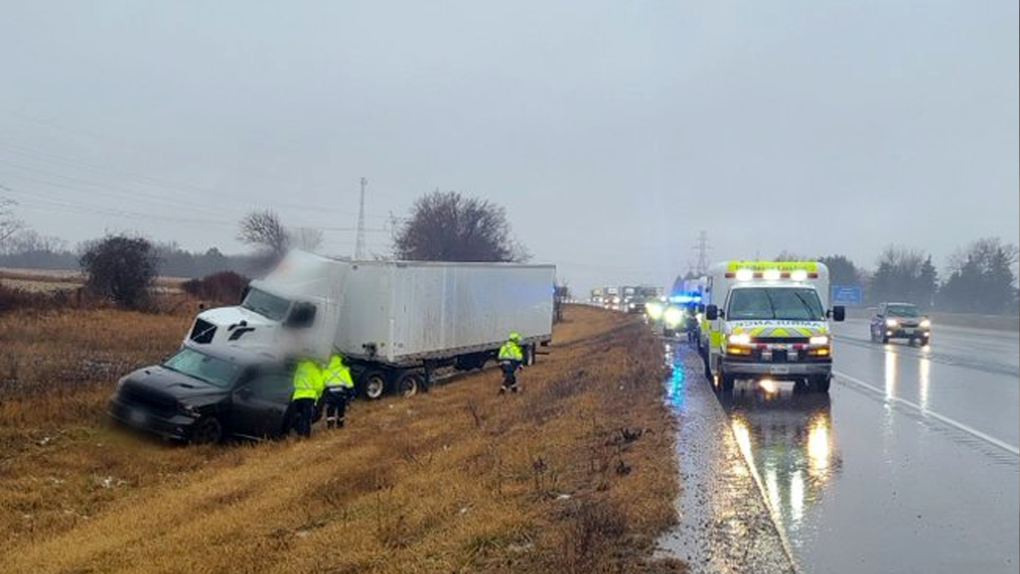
(909,464)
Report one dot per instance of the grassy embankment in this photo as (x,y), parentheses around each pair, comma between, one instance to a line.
(575,475)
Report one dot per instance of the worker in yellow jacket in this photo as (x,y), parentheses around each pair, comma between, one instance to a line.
(308,386)
(339,390)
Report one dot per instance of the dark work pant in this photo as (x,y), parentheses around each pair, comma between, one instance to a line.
(510,375)
(336,404)
(304,410)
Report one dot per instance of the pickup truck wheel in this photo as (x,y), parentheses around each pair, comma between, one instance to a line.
(409,383)
(208,430)
(374,385)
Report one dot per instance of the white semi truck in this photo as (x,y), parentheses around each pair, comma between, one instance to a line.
(393,321)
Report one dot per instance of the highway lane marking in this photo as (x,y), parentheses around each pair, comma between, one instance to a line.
(932,414)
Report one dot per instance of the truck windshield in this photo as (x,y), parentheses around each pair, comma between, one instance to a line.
(216,372)
(266,304)
(787,304)
(902,311)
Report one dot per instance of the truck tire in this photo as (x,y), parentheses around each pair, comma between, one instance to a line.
(374,384)
(208,430)
(409,383)
(529,355)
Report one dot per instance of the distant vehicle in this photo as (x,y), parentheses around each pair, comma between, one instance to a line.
(636,298)
(900,321)
(768,320)
(204,396)
(393,321)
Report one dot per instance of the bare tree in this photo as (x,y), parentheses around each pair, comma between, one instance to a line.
(9,223)
(306,238)
(448,226)
(264,230)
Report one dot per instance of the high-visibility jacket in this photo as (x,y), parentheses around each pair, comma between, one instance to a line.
(308,383)
(510,351)
(336,373)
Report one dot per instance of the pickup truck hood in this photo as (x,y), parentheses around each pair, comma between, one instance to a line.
(783,329)
(159,385)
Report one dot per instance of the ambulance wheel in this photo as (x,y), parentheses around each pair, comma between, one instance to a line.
(821,383)
(374,384)
(726,382)
(409,383)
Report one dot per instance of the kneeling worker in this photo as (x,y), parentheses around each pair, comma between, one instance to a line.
(339,390)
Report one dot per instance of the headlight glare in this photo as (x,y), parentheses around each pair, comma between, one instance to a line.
(740,339)
(819,340)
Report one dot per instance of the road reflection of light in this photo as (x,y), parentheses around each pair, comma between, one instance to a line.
(891,371)
(925,371)
(675,391)
(743,436)
(819,448)
(772,487)
(797,496)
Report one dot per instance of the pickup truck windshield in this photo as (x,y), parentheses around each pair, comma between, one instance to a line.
(776,303)
(216,372)
(266,304)
(902,311)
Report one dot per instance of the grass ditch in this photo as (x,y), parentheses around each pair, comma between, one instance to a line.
(574,475)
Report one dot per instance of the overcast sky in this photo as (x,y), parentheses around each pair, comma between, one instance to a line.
(612,132)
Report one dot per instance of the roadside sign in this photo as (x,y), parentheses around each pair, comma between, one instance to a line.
(847,295)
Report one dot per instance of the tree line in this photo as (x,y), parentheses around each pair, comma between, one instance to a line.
(980,277)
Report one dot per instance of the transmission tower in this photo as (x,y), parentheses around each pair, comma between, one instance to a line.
(359,242)
(702,247)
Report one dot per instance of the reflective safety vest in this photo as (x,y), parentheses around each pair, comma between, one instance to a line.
(307,381)
(336,373)
(510,351)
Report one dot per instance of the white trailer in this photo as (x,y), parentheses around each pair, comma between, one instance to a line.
(394,321)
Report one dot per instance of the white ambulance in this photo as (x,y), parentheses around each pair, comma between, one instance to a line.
(768,320)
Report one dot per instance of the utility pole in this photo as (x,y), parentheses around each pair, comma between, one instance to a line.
(359,242)
(702,247)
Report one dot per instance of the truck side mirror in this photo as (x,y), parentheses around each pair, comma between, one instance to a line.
(302,316)
(712,312)
(838,313)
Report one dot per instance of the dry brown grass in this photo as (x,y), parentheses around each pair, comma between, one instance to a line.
(574,475)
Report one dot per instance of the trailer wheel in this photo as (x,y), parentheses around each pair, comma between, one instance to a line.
(374,384)
(529,355)
(409,383)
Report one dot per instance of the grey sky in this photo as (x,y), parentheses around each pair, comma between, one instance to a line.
(612,131)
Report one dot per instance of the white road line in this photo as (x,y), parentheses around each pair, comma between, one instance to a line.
(932,414)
